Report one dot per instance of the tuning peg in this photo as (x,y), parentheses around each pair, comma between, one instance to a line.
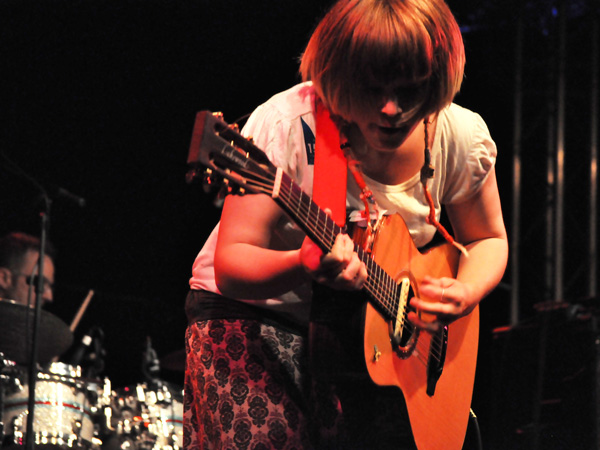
(235,190)
(218,115)
(209,180)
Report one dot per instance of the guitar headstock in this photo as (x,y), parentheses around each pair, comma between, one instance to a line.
(220,154)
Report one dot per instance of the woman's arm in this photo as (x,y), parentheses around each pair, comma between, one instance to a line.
(246,267)
(477,224)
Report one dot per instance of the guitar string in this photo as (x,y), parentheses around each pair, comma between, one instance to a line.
(380,285)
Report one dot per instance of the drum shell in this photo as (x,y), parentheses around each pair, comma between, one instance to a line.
(66,407)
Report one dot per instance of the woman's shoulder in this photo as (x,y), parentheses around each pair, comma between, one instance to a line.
(455,115)
(294,102)
(460,124)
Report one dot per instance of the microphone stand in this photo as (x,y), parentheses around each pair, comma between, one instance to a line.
(45,224)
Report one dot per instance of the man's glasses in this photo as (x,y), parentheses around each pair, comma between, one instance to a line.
(33,280)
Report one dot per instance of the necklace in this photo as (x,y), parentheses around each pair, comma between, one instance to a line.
(373,218)
(427,172)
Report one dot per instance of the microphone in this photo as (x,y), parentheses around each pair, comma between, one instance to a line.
(76,199)
(86,341)
(55,192)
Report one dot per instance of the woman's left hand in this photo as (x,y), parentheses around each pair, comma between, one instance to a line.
(447,299)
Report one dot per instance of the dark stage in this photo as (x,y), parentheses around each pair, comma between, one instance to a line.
(99,98)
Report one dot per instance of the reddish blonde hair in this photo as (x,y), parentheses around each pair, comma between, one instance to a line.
(358,41)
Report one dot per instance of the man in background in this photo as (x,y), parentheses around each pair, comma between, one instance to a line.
(19,255)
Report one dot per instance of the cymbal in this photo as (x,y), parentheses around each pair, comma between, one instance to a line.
(16,322)
(174,361)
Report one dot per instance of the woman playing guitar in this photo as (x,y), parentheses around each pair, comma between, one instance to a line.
(382,74)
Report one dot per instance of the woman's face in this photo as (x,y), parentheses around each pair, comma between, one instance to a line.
(395,112)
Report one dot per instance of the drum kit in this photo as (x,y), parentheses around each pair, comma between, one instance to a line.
(75,411)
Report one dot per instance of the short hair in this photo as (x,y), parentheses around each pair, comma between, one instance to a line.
(14,246)
(417,41)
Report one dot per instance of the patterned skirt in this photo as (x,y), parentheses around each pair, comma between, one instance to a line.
(247,388)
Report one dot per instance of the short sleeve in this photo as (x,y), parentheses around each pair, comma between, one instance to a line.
(279,136)
(269,133)
(471,154)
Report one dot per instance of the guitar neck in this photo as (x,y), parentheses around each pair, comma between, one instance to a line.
(321,228)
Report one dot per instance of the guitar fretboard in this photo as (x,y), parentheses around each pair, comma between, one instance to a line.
(319,226)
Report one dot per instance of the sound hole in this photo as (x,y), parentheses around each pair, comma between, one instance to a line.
(403,334)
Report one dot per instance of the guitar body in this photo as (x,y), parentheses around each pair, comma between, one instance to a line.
(351,339)
(437,421)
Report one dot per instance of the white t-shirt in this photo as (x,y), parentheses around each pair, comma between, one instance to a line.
(462,154)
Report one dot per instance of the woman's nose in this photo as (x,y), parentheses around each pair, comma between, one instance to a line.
(391,107)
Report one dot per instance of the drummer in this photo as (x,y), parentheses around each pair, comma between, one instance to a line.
(19,255)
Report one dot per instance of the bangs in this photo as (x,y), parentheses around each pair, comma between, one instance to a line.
(386,47)
(364,43)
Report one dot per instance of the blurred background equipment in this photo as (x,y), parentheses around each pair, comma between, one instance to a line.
(16,323)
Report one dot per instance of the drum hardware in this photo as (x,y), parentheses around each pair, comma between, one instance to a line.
(72,407)
(66,412)
(9,383)
(150,363)
(147,417)
(90,353)
(79,413)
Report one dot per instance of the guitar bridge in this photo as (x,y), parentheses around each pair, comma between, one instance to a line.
(403,334)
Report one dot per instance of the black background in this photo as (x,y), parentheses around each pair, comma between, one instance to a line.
(99,98)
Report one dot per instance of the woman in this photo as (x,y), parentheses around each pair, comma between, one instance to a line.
(387,72)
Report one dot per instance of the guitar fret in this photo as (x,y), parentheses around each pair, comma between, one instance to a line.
(299,203)
(389,287)
(309,211)
(332,230)
(381,287)
(286,189)
(318,219)
(320,223)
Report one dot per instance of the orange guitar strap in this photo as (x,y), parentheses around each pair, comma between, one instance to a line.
(330,172)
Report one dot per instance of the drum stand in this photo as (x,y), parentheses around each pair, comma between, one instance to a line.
(45,223)
(9,381)
(3,382)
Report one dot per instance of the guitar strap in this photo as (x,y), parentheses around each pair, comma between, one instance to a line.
(330,169)
(329,191)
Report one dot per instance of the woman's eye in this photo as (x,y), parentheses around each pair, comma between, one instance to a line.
(407,93)
(374,92)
